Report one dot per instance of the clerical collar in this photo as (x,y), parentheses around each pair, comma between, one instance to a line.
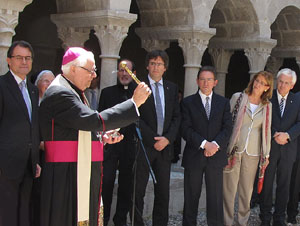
(78,91)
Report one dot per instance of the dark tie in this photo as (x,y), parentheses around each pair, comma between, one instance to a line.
(207,109)
(26,98)
(281,106)
(159,111)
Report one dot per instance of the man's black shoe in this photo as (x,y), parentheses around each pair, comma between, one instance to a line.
(265,223)
(279,223)
(292,220)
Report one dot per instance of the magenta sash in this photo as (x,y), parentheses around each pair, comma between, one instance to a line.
(66,151)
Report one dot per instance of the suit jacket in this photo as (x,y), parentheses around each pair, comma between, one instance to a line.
(109,97)
(19,138)
(148,119)
(195,128)
(289,122)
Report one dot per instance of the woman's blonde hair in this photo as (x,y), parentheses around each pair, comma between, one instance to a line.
(266,95)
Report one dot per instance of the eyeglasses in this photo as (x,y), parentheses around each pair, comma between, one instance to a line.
(122,71)
(206,79)
(90,71)
(260,82)
(284,83)
(22,58)
(156,64)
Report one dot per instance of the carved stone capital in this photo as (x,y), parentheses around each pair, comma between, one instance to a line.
(273,64)
(193,50)
(111,38)
(221,58)
(153,44)
(257,58)
(72,37)
(111,27)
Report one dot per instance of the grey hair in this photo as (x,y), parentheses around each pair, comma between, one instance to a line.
(40,75)
(288,72)
(79,61)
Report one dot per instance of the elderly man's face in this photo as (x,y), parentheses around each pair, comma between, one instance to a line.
(284,84)
(44,82)
(123,76)
(83,76)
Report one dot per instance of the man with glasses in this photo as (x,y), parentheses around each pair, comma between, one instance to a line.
(285,131)
(159,123)
(73,153)
(119,156)
(19,136)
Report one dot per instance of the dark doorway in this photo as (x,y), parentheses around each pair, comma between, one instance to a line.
(238,75)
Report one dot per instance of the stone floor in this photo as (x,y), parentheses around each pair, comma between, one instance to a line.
(176,203)
(176,220)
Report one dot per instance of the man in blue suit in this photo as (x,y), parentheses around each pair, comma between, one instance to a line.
(206,127)
(285,131)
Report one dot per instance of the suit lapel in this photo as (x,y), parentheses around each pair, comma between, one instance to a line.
(288,104)
(167,100)
(15,91)
(200,106)
(214,106)
(151,99)
(275,104)
(34,100)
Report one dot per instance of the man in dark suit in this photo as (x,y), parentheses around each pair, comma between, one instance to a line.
(119,156)
(285,131)
(206,127)
(72,173)
(294,195)
(19,136)
(159,122)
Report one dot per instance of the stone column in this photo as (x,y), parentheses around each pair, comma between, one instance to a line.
(111,37)
(221,58)
(193,50)
(257,58)
(298,61)
(9,14)
(273,65)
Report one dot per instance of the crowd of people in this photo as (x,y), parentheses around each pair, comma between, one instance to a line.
(63,142)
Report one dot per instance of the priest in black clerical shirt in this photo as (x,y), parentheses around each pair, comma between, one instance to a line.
(121,155)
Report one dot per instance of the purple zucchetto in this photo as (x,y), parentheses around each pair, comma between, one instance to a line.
(72,53)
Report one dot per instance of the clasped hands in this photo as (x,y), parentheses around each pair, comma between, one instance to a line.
(281,138)
(210,149)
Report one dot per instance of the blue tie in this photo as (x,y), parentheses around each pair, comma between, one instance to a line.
(159,111)
(26,98)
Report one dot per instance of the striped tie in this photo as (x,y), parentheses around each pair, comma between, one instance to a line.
(159,111)
(207,109)
(281,106)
